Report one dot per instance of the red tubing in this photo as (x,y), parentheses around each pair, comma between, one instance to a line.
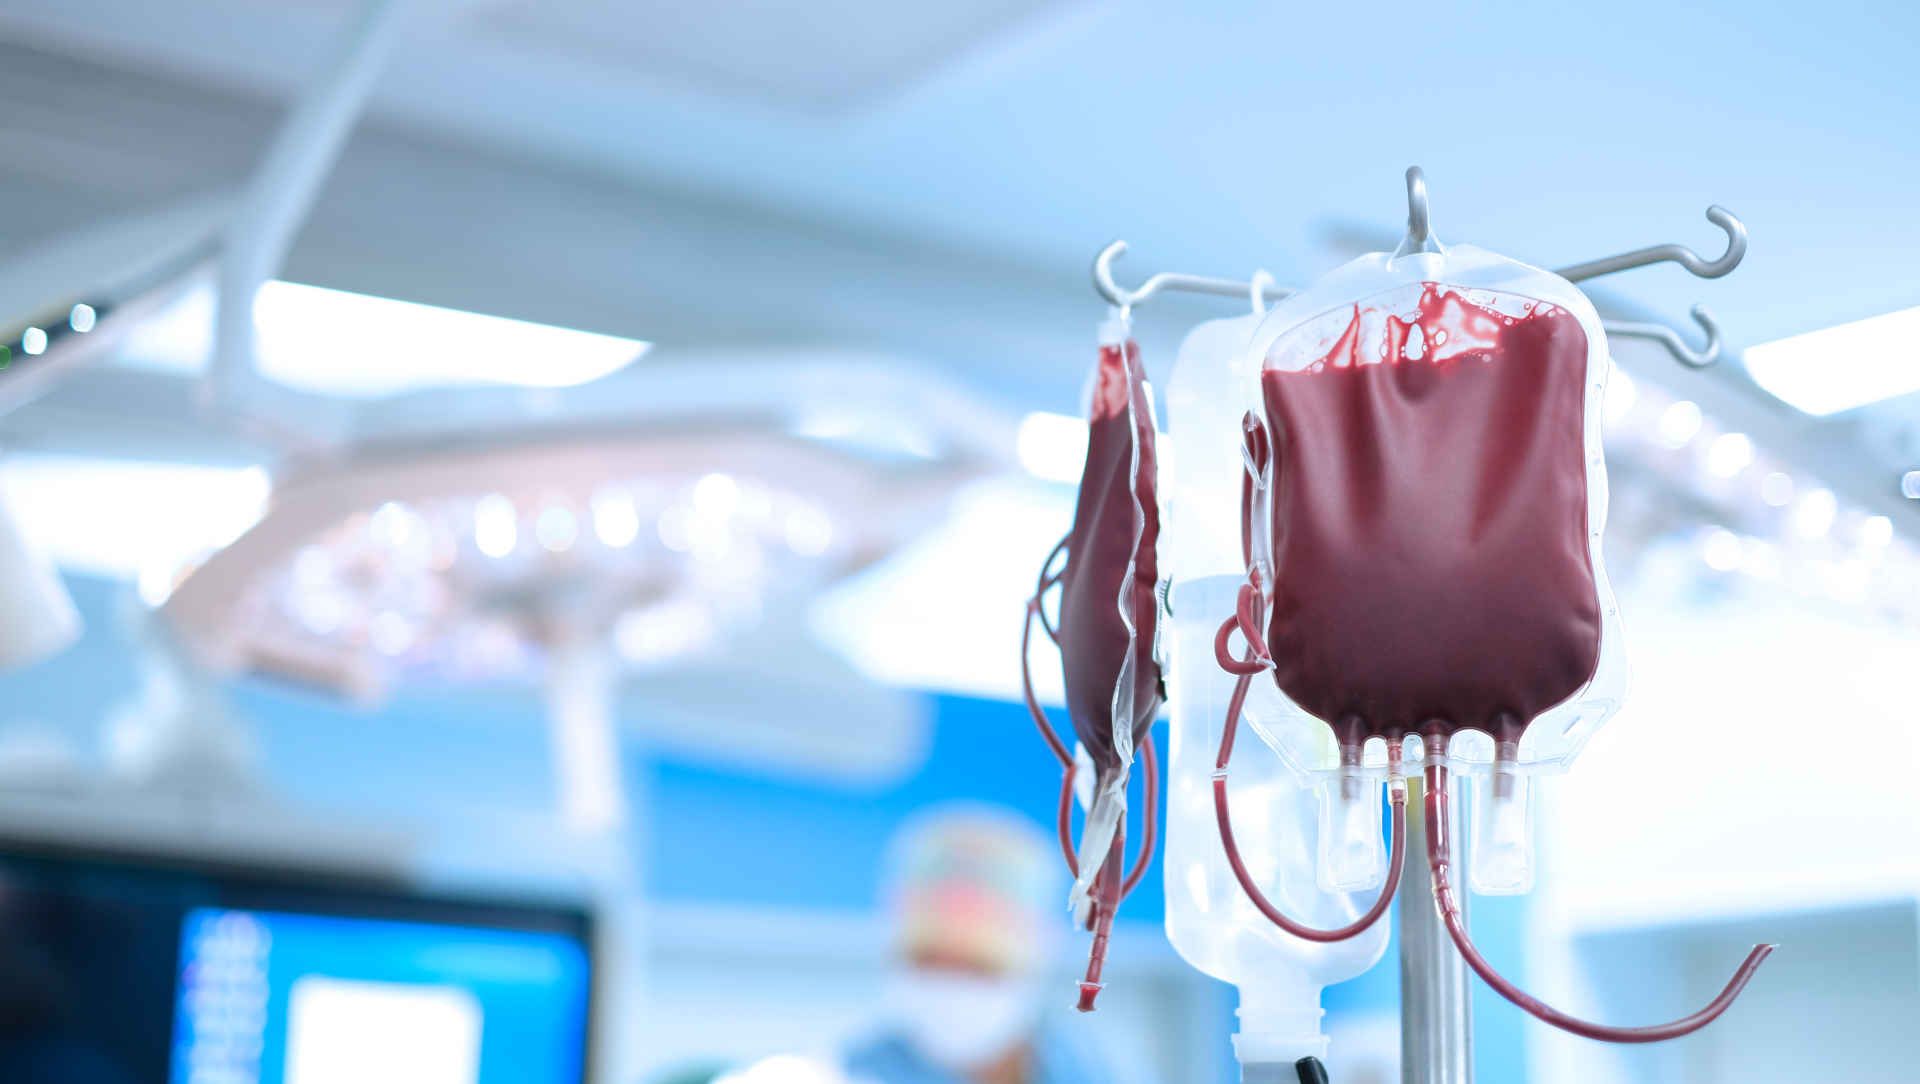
(1047,579)
(1066,822)
(1106,900)
(1247,618)
(1223,652)
(1437,851)
(1395,862)
(1054,743)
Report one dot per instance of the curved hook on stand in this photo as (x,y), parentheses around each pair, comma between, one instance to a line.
(1121,297)
(1103,283)
(1419,219)
(1419,236)
(1669,338)
(1695,264)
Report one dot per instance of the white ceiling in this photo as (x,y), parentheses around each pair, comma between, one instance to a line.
(1212,135)
(768,51)
(928,181)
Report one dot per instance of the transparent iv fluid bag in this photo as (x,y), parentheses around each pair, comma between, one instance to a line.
(1210,920)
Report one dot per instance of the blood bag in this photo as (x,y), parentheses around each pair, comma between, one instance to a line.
(1107,630)
(1421,513)
(1428,526)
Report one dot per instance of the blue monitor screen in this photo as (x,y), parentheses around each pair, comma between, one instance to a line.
(276,998)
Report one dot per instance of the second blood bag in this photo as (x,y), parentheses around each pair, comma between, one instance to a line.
(1107,630)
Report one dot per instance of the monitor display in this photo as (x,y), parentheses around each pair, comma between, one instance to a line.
(284,998)
(117,971)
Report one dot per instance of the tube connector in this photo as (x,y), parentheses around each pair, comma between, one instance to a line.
(1276,1033)
(1352,855)
(1501,862)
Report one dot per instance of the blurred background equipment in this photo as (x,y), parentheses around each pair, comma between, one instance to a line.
(597,450)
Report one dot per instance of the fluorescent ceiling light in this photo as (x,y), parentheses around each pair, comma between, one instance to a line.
(332,342)
(1842,367)
(122,517)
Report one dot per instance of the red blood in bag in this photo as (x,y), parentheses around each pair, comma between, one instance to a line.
(1429,544)
(1110,574)
(1108,620)
(1429,523)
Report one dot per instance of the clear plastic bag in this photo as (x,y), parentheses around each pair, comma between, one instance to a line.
(1422,505)
(1211,921)
(1428,528)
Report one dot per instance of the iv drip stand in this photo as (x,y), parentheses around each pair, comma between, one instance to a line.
(1436,1017)
(1436,1004)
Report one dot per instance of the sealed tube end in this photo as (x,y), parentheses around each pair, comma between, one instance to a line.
(1088,992)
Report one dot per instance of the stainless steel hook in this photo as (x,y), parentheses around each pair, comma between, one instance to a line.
(1669,338)
(1124,298)
(1419,236)
(1736,232)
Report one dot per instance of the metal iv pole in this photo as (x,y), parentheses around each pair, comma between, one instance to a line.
(1436,1003)
(1436,1008)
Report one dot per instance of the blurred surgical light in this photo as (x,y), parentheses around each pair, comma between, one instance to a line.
(82,318)
(33,341)
(496,526)
(130,519)
(1842,367)
(616,520)
(1680,423)
(333,342)
(1052,446)
(716,494)
(1729,454)
(393,525)
(1814,516)
(1876,531)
